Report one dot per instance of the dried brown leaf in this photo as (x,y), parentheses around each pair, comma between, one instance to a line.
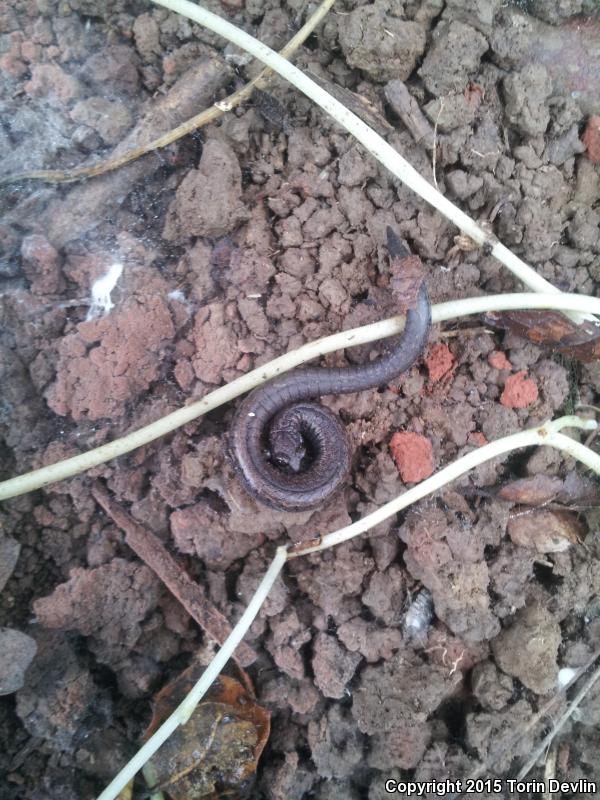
(545,531)
(551,329)
(215,753)
(540,490)
(533,491)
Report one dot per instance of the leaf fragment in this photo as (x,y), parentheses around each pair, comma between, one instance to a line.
(545,531)
(551,329)
(216,752)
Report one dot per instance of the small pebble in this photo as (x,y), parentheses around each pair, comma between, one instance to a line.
(9,553)
(16,654)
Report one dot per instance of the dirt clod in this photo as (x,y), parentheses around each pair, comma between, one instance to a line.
(378,707)
(60,703)
(80,605)
(213,191)
(336,746)
(526,95)
(491,687)
(333,665)
(454,57)
(382,45)
(200,530)
(528,648)
(95,375)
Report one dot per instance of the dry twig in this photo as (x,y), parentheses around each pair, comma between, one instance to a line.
(435,145)
(198,121)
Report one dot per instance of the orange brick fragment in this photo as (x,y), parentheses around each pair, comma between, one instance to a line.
(440,362)
(591,138)
(413,455)
(477,438)
(498,360)
(519,391)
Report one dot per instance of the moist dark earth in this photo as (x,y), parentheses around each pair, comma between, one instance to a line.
(240,242)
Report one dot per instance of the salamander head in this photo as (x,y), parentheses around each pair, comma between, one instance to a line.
(286,448)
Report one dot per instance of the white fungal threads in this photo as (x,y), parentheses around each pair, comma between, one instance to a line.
(101,303)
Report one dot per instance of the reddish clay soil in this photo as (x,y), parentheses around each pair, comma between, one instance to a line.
(421,649)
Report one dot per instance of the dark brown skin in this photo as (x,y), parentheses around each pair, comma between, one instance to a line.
(294,455)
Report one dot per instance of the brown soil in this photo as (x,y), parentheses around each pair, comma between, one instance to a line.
(265,231)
